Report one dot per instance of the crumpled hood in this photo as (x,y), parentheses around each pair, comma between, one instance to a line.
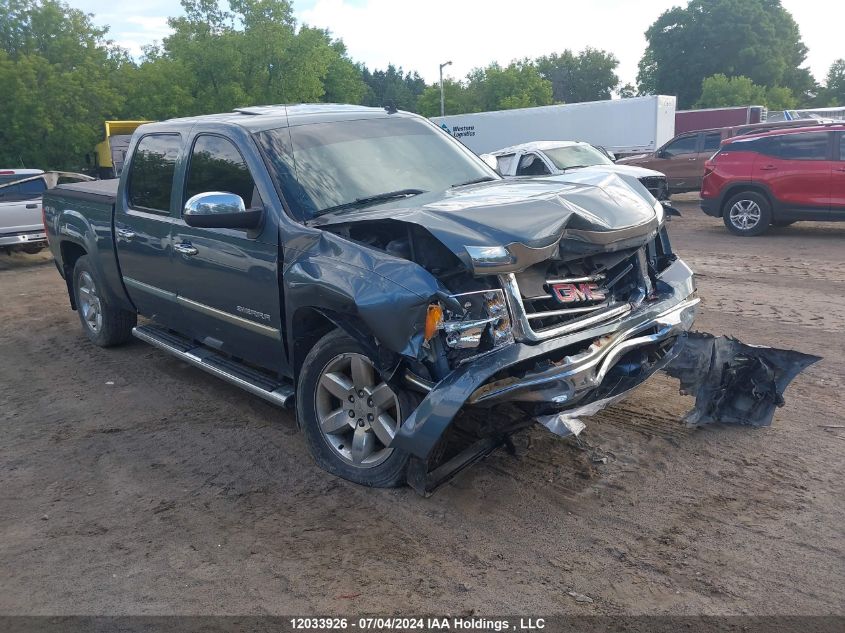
(585,210)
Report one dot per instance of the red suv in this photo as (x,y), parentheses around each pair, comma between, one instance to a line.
(777,178)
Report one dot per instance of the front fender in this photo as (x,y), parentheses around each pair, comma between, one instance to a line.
(387,294)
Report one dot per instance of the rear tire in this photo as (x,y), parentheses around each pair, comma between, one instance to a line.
(747,213)
(334,375)
(32,250)
(104,324)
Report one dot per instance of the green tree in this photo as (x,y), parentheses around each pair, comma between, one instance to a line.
(833,93)
(588,76)
(393,85)
(60,79)
(720,91)
(456,99)
(628,91)
(757,39)
(519,85)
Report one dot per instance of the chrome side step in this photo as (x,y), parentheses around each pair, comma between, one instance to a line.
(255,382)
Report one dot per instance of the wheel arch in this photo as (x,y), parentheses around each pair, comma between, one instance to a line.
(310,324)
(70,254)
(740,187)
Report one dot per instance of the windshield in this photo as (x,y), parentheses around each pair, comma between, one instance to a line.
(576,156)
(322,166)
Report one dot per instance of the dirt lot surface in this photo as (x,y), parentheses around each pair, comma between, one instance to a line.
(131,483)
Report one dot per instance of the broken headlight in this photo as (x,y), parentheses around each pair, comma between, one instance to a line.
(485,318)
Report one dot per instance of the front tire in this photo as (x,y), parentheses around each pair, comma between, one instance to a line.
(350,415)
(748,213)
(104,324)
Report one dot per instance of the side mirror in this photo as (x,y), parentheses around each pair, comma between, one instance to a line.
(220,210)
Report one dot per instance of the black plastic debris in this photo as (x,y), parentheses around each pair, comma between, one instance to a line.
(734,383)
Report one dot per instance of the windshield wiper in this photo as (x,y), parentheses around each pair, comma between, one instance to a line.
(474,181)
(379,197)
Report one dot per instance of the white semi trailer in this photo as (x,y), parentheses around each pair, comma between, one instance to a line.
(623,126)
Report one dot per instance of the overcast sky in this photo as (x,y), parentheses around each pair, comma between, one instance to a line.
(419,34)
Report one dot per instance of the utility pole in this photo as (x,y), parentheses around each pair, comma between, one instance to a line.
(442,97)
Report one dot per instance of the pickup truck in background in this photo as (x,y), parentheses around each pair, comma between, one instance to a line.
(363,265)
(21,225)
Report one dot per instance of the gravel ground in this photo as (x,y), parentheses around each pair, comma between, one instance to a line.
(131,483)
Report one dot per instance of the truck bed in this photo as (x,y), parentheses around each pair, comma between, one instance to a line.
(103,191)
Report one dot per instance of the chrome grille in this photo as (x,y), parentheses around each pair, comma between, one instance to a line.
(537,317)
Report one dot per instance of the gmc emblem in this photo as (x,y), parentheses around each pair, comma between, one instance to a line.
(576,293)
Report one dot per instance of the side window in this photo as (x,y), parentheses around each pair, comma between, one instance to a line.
(808,146)
(505,164)
(711,142)
(683,145)
(842,147)
(217,165)
(532,165)
(24,191)
(151,172)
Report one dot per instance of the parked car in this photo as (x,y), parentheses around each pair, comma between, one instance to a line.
(545,158)
(682,158)
(20,210)
(777,178)
(365,265)
(21,225)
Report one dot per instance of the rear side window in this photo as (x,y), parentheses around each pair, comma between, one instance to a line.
(24,190)
(683,145)
(808,146)
(842,147)
(532,165)
(217,165)
(505,164)
(711,141)
(151,172)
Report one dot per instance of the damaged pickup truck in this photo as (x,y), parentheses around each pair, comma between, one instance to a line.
(364,265)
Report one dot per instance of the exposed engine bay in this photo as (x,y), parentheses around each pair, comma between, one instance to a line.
(554,328)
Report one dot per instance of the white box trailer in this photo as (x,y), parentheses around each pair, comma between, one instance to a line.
(623,126)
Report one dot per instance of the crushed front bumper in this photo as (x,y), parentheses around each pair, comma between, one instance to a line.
(566,382)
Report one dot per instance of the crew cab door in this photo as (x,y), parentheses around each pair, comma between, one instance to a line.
(678,159)
(796,168)
(144,216)
(228,279)
(20,206)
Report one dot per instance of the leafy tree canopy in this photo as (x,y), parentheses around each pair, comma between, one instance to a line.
(587,76)
(721,91)
(757,39)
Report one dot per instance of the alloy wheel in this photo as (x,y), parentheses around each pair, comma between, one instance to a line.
(745,214)
(89,302)
(357,412)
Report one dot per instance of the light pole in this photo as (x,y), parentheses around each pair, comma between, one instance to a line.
(442,97)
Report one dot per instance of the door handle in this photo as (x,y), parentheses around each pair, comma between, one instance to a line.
(125,234)
(32,206)
(840,169)
(185,248)
(768,168)
(696,158)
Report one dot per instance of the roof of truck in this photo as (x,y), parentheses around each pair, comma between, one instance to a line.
(258,118)
(537,146)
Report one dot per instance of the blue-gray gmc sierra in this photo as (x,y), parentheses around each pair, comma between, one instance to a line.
(365,265)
